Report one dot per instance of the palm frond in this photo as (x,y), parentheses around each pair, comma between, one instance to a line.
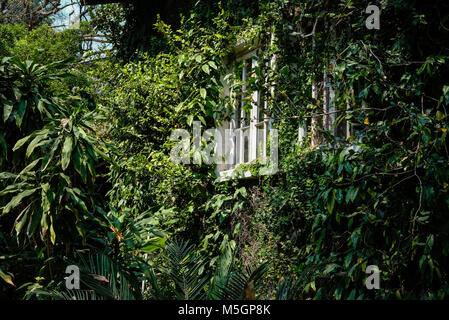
(185,268)
(243,285)
(287,289)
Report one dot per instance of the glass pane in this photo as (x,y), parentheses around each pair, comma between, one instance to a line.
(260,113)
(237,148)
(237,114)
(260,141)
(246,149)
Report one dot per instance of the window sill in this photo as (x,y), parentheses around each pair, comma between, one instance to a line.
(231,174)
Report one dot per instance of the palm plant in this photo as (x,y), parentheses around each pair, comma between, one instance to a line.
(288,289)
(186,269)
(102,279)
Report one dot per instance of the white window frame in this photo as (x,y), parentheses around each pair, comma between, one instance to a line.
(330,115)
(258,123)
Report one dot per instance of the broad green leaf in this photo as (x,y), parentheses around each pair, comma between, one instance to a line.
(92,153)
(36,142)
(206,68)
(7,109)
(47,197)
(41,106)
(91,167)
(354,194)
(52,231)
(44,222)
(66,179)
(446,93)
(20,112)
(49,155)
(67,152)
(203,93)
(213,64)
(76,199)
(154,244)
(19,225)
(330,205)
(7,175)
(17,93)
(342,156)
(330,268)
(12,188)
(440,116)
(35,219)
(102,154)
(29,167)
(17,200)
(21,142)
(77,160)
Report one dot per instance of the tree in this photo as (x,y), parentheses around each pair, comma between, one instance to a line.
(32,12)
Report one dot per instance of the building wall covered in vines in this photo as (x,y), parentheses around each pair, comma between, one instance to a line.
(332,210)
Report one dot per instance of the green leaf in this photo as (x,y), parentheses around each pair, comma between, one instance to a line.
(12,188)
(20,112)
(49,156)
(6,277)
(21,142)
(52,231)
(7,109)
(44,223)
(203,93)
(213,65)
(206,68)
(342,156)
(17,93)
(446,93)
(76,199)
(67,152)
(35,143)
(330,268)
(430,241)
(203,121)
(354,193)
(19,225)
(154,244)
(348,194)
(330,205)
(41,106)
(29,167)
(35,219)
(17,200)
(7,175)
(47,198)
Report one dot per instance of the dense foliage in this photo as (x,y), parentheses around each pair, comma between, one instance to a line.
(87,175)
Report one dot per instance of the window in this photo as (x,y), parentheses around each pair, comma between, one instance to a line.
(333,120)
(329,117)
(249,127)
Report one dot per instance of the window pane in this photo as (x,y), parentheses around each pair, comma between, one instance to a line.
(237,114)
(260,141)
(237,148)
(260,113)
(246,150)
